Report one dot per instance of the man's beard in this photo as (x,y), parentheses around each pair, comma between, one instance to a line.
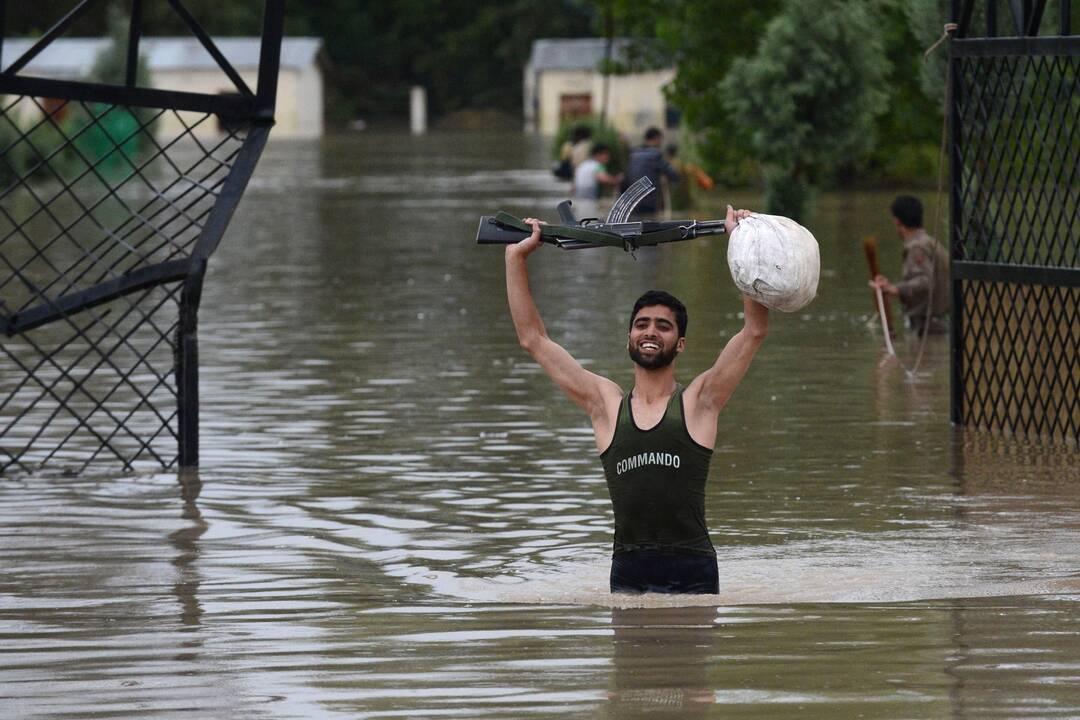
(657,361)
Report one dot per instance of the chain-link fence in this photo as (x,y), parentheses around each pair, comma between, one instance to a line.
(111,201)
(99,215)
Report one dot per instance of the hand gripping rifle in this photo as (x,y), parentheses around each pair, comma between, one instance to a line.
(615,231)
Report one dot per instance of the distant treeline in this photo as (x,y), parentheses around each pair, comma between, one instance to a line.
(801,93)
(470,55)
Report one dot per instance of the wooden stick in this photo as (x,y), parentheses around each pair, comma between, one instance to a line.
(869,245)
(884,313)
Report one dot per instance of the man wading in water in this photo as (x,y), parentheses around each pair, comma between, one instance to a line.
(656,441)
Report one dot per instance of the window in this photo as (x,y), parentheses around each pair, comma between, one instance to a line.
(573,106)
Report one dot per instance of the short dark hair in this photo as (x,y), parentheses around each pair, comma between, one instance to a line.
(599,148)
(653,133)
(908,211)
(659,297)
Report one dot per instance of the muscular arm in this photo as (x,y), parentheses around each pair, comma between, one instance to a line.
(713,387)
(709,392)
(593,393)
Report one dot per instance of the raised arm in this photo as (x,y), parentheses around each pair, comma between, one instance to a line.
(713,387)
(591,392)
(709,392)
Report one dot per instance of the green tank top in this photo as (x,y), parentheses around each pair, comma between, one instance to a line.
(656,479)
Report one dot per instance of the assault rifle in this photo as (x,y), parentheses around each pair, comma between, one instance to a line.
(615,231)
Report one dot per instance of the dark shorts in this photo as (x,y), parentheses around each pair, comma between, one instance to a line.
(660,571)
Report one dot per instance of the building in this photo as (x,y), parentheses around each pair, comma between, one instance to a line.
(184,64)
(563,80)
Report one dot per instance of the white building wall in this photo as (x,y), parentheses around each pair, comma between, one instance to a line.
(298,112)
(634,102)
(300,89)
(309,103)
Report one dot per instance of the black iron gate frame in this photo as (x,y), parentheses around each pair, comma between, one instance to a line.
(1045,272)
(252,109)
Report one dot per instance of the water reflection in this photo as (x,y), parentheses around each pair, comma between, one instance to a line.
(662,661)
(992,462)
(186,542)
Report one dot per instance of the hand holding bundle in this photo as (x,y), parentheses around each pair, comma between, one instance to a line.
(775,261)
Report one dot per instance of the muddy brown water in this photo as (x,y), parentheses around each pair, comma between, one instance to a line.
(398,515)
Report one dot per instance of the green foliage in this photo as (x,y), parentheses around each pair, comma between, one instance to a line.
(808,98)
(911,164)
(110,141)
(927,18)
(908,136)
(110,66)
(787,194)
(25,149)
(16,155)
(470,55)
(703,38)
(601,133)
(109,136)
(696,37)
(218,17)
(467,54)
(81,135)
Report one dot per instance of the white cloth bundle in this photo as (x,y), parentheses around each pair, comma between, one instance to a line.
(775,261)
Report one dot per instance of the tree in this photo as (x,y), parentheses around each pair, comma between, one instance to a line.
(908,137)
(111,137)
(218,17)
(468,54)
(808,98)
(701,38)
(926,19)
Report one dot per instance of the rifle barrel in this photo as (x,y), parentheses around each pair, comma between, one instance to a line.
(709,227)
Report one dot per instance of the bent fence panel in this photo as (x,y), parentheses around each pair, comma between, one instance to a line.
(112,199)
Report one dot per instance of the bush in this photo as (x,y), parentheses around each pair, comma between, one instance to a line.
(787,195)
(17,155)
(605,134)
(809,96)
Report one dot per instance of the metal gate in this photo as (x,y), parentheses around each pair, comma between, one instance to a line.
(112,199)
(1015,229)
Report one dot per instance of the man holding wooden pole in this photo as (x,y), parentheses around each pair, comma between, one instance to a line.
(924,289)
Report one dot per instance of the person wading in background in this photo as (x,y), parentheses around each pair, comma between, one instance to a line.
(592,173)
(573,152)
(656,441)
(925,271)
(649,161)
(589,178)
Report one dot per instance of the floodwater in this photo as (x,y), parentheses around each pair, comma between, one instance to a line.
(398,515)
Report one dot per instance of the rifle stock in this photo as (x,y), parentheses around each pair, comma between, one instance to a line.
(492,233)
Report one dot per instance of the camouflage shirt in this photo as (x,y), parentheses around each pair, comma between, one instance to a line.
(925,279)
